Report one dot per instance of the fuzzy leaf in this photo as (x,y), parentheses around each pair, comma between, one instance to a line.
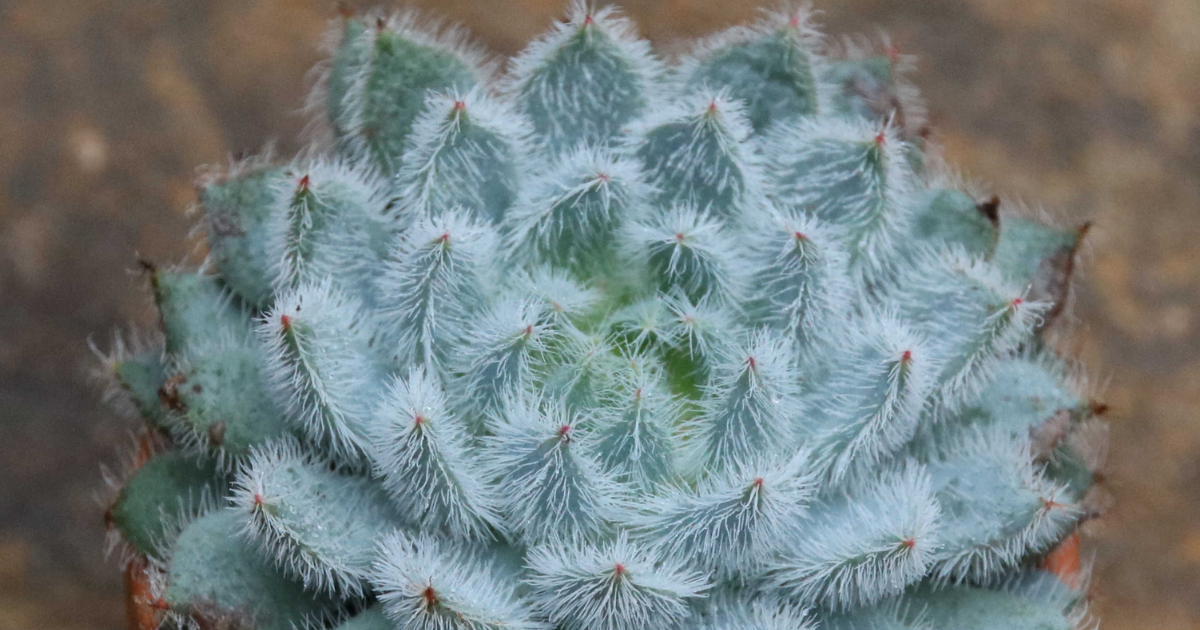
(317,524)
(695,152)
(552,487)
(381,76)
(317,344)
(237,209)
(436,278)
(729,523)
(997,506)
(425,584)
(160,496)
(619,585)
(463,152)
(857,549)
(195,310)
(420,451)
(582,82)
(850,175)
(772,67)
(570,216)
(214,575)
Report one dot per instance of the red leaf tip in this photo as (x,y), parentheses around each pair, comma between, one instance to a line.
(906,358)
(459,105)
(285,322)
(303,184)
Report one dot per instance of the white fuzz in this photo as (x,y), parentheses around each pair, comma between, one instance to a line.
(315,340)
(439,273)
(856,550)
(973,316)
(463,150)
(618,585)
(642,324)
(410,26)
(635,435)
(852,174)
(800,277)
(572,97)
(687,248)
(424,584)
(798,20)
(1000,507)
(551,487)
(317,524)
(876,394)
(694,151)
(319,223)
(701,329)
(507,338)
(572,211)
(561,295)
(727,610)
(752,407)
(580,376)
(421,453)
(729,523)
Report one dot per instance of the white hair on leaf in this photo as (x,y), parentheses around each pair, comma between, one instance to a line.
(420,451)
(425,584)
(615,585)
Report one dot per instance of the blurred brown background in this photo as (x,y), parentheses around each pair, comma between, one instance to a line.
(107,106)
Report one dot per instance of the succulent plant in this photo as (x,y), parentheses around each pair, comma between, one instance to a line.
(607,343)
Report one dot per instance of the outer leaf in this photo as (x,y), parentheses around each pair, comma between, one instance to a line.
(855,550)
(318,525)
(161,494)
(374,97)
(772,67)
(215,576)
(582,82)
(237,207)
(998,507)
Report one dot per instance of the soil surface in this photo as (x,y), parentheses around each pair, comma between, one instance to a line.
(1091,107)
